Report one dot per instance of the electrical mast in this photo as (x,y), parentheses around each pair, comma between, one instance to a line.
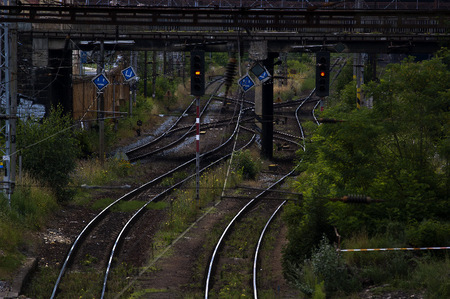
(8,104)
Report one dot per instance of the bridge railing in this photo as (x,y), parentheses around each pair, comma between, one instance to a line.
(297,4)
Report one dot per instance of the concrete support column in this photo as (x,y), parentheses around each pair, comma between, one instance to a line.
(60,89)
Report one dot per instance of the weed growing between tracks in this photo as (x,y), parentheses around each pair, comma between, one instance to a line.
(236,274)
(184,208)
(84,284)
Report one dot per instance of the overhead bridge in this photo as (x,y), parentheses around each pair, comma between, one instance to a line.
(215,28)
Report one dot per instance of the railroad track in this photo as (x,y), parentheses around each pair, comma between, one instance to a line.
(223,258)
(93,240)
(256,205)
(119,224)
(184,126)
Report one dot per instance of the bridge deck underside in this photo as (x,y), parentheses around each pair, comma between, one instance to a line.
(150,27)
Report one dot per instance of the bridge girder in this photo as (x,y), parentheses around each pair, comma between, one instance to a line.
(218,29)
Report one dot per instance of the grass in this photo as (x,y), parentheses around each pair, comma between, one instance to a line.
(183,207)
(31,206)
(141,293)
(42,283)
(91,172)
(235,279)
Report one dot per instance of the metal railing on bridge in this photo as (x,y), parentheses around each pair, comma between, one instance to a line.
(282,20)
(297,4)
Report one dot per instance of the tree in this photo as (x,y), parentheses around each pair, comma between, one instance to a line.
(398,151)
(49,150)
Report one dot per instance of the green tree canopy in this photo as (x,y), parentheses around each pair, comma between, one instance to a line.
(398,151)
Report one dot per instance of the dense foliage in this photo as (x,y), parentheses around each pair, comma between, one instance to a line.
(247,165)
(399,152)
(49,150)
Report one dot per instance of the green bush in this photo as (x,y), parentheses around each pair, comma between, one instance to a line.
(49,150)
(244,161)
(329,266)
(429,233)
(89,141)
(325,271)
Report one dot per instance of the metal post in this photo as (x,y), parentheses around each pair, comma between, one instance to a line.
(12,106)
(145,74)
(130,100)
(267,110)
(115,82)
(101,107)
(154,75)
(8,95)
(197,152)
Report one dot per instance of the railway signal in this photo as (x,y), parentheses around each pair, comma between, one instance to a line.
(197,73)
(322,74)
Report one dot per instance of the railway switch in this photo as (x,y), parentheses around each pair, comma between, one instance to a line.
(197,73)
(322,74)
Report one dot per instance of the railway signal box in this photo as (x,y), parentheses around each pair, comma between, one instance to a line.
(197,73)
(322,74)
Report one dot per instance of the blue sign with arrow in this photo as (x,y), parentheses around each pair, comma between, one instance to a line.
(264,76)
(100,81)
(128,73)
(246,82)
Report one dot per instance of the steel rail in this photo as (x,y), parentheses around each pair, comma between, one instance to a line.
(230,224)
(154,199)
(119,237)
(218,123)
(169,130)
(302,133)
(181,138)
(102,213)
(164,133)
(314,115)
(124,197)
(244,209)
(258,246)
(255,261)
